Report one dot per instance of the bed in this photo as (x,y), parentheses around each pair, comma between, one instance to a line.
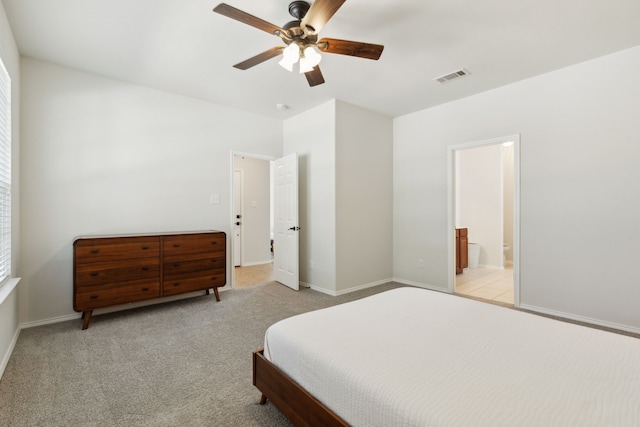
(414,357)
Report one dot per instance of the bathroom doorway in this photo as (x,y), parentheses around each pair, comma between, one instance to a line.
(484,199)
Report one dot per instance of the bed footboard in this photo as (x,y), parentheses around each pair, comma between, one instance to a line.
(300,407)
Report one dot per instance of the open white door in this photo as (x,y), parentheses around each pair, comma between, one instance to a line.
(285,245)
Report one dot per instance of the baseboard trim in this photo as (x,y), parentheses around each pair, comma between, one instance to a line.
(7,355)
(349,290)
(50,321)
(421,285)
(318,289)
(117,308)
(582,319)
(251,264)
(543,311)
(364,286)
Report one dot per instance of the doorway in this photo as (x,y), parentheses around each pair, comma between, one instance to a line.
(264,220)
(484,199)
(251,225)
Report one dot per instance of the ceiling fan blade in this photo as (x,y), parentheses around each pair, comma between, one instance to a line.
(314,77)
(319,14)
(245,18)
(346,47)
(259,58)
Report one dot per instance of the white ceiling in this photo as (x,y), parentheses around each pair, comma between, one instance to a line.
(181,46)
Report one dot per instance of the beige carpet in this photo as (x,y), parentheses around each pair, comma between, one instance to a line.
(185,363)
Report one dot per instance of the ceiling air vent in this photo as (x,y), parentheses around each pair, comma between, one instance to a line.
(452,76)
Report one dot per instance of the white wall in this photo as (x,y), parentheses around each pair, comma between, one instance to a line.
(100,156)
(312,135)
(580,141)
(9,319)
(345,170)
(256,240)
(364,197)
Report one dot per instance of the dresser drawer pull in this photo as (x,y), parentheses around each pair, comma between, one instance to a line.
(94,297)
(214,242)
(145,289)
(144,248)
(176,284)
(94,274)
(176,245)
(94,251)
(145,268)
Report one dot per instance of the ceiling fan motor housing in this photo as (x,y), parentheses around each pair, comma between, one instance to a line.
(298,9)
(295,31)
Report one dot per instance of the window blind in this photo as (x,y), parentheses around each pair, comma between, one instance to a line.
(5,174)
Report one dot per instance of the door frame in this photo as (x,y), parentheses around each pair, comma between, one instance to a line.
(451,207)
(237,189)
(232,154)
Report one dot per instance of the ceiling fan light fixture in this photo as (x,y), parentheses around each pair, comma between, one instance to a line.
(290,56)
(309,59)
(305,66)
(312,55)
(287,65)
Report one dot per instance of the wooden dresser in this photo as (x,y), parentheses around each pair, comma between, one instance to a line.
(113,270)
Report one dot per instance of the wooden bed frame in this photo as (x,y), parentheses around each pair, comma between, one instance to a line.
(295,403)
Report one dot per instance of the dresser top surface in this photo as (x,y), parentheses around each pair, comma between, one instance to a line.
(157,234)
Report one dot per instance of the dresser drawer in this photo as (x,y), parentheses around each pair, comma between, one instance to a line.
(116,248)
(177,285)
(176,246)
(91,297)
(107,272)
(189,266)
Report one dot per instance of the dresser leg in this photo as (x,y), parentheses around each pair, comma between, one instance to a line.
(263,399)
(86,315)
(215,291)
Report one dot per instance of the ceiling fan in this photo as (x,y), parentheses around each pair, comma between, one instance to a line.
(301,38)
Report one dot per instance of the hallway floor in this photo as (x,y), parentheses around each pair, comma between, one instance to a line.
(486,283)
(253,275)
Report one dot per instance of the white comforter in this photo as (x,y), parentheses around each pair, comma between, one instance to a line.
(413,357)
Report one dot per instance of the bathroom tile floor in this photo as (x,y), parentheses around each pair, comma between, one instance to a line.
(486,283)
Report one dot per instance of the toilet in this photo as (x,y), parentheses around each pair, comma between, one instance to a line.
(473,255)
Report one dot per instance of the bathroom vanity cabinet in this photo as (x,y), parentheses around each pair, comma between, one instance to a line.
(462,250)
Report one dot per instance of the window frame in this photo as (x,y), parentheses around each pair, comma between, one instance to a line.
(5,175)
